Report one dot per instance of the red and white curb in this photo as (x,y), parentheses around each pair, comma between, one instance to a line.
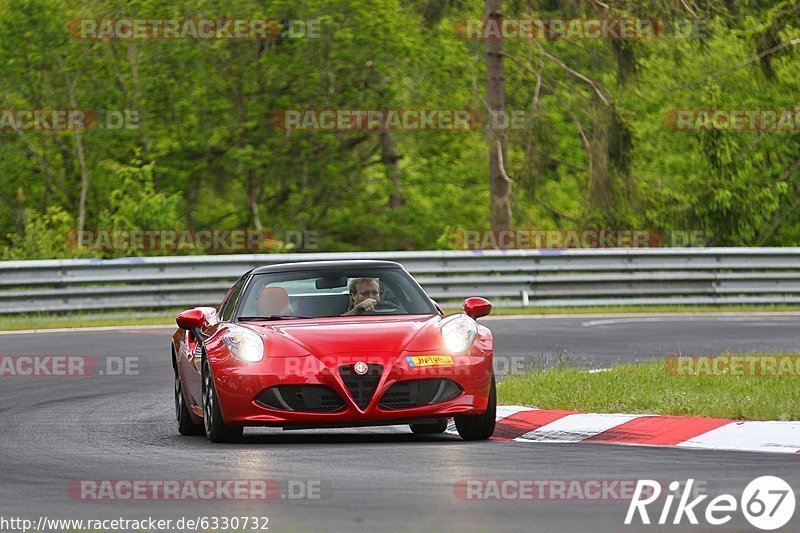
(524,424)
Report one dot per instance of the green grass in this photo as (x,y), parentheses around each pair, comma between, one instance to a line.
(79,320)
(647,388)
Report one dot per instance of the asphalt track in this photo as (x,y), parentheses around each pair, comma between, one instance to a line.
(61,429)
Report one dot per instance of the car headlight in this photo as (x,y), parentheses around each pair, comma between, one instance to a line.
(244,344)
(459,334)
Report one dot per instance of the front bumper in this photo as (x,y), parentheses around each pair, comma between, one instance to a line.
(238,386)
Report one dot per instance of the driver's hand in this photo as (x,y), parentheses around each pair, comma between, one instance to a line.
(367,305)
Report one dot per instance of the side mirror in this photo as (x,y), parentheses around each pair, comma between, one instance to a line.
(477,307)
(197,318)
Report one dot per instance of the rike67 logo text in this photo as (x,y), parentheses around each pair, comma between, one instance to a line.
(767,503)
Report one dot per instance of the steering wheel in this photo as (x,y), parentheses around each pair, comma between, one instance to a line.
(384,307)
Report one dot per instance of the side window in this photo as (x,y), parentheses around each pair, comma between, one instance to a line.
(226,310)
(227,294)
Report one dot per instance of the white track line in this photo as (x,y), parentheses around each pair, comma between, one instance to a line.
(682,318)
(648,315)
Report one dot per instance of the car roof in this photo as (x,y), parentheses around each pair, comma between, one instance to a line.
(327,265)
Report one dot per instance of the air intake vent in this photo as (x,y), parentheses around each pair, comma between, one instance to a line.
(307,398)
(361,387)
(419,392)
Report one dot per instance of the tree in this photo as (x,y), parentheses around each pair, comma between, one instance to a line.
(499,181)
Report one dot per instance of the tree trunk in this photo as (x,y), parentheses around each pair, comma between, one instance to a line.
(137,97)
(389,158)
(499,182)
(20,211)
(84,185)
(253,193)
(73,102)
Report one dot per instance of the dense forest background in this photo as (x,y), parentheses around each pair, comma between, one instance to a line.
(597,149)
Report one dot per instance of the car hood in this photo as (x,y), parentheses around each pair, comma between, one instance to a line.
(391,334)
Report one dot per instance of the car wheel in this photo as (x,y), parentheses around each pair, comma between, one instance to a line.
(479,427)
(216,429)
(185,424)
(427,429)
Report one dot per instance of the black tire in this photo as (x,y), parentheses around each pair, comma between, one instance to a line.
(479,427)
(185,424)
(429,429)
(215,428)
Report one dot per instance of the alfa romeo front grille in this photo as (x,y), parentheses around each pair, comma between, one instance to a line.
(361,387)
(419,392)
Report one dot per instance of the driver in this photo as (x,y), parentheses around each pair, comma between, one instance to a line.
(365,295)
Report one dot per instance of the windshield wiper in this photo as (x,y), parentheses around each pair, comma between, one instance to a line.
(270,317)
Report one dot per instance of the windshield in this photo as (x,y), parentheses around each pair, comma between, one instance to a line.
(330,293)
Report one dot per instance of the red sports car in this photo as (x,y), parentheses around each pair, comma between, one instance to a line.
(329,344)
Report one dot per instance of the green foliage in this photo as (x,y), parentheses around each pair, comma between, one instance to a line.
(136,204)
(43,236)
(205,152)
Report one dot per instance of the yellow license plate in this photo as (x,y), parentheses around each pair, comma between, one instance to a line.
(430,360)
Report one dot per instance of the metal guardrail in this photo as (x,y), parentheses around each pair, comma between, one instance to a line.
(538,278)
